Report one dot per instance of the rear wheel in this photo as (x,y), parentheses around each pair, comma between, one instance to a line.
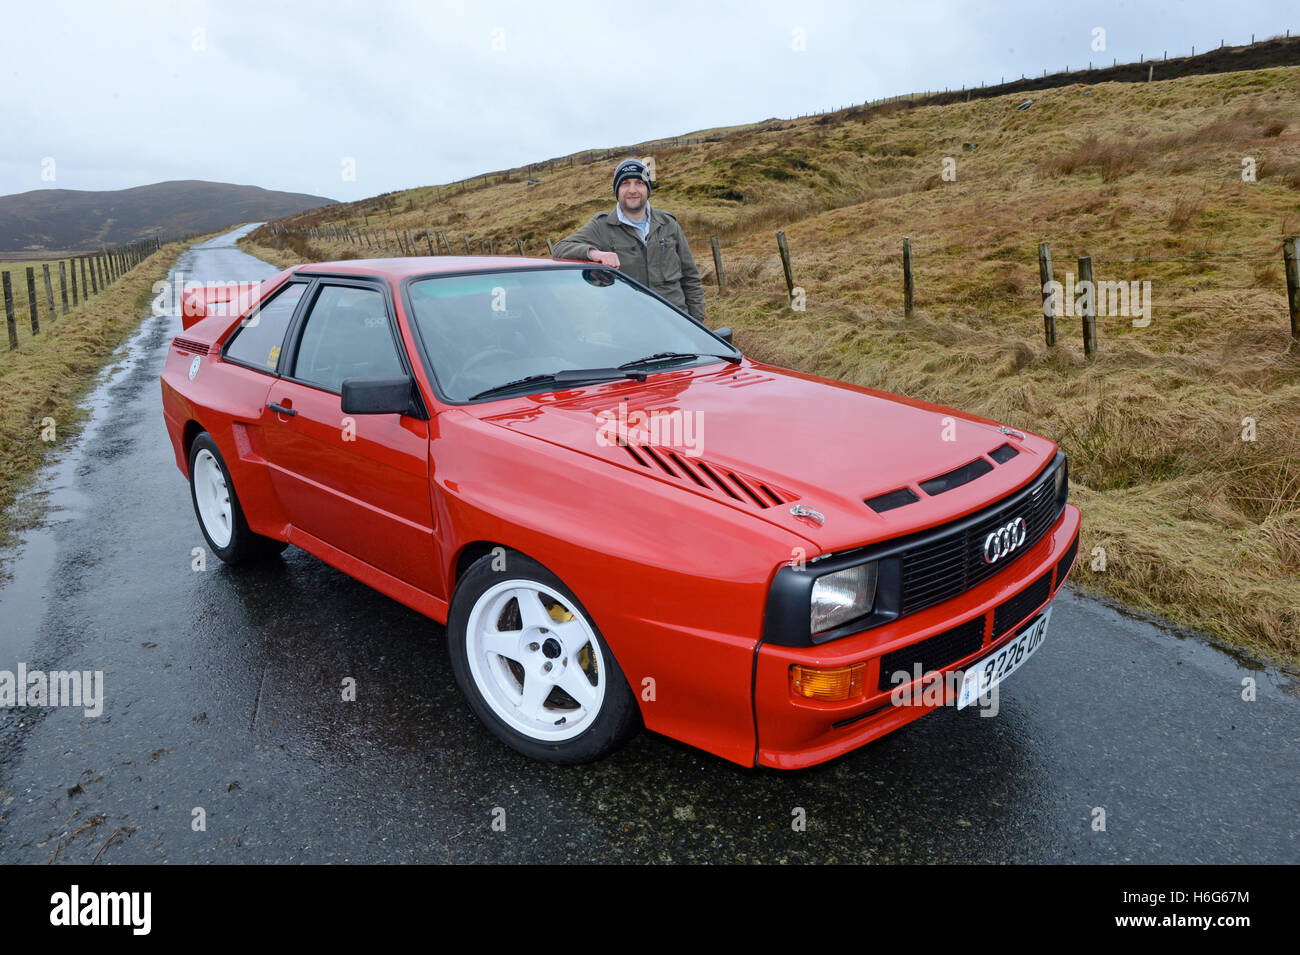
(533,666)
(221,518)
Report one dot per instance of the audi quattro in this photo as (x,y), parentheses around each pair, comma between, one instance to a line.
(621,520)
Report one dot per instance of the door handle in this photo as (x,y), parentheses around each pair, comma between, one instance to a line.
(281,409)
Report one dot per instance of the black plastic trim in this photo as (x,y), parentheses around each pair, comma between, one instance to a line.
(888,501)
(1004,453)
(956,477)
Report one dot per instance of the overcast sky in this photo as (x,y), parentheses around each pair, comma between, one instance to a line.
(294,96)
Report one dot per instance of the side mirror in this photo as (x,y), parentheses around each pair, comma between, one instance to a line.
(378,395)
(724,333)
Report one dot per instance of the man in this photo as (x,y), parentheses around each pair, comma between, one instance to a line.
(645,243)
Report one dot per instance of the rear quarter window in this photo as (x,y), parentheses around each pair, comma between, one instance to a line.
(260,336)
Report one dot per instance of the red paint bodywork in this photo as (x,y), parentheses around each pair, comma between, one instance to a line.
(676,577)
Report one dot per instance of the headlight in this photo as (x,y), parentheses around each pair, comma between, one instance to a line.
(842,596)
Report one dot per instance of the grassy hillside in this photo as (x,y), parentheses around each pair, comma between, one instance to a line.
(52,220)
(1196,523)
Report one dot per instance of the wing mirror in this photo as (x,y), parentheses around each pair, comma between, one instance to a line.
(724,333)
(380,396)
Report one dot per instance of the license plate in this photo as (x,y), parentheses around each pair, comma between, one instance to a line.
(985,674)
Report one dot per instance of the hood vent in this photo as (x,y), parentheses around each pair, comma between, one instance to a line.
(956,478)
(1004,454)
(887,502)
(710,477)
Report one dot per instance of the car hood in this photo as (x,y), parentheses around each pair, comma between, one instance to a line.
(770,441)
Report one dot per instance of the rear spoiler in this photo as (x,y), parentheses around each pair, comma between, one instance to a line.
(228,299)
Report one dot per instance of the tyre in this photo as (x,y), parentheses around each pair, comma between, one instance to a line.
(532,665)
(217,507)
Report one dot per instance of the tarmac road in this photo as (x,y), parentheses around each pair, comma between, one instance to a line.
(222,695)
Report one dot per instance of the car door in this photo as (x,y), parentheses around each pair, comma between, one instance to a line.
(359,483)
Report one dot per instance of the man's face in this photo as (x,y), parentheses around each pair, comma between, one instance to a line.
(632,195)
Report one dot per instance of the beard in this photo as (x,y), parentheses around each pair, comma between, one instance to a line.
(633,205)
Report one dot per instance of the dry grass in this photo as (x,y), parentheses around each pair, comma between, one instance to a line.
(46,376)
(1196,524)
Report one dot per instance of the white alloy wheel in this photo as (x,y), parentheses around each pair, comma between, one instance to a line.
(535,660)
(212,496)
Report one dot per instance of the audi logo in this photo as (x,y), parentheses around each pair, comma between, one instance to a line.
(1004,540)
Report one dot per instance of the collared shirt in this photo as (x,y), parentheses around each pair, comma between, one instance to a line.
(642,227)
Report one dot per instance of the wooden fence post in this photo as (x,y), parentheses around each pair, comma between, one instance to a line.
(550,246)
(31,300)
(72,278)
(1089,306)
(1291,256)
(784,248)
(9,311)
(85,289)
(49,291)
(521,246)
(468,250)
(1049,300)
(717,261)
(909,286)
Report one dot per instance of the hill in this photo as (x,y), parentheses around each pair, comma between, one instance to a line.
(66,220)
(1183,433)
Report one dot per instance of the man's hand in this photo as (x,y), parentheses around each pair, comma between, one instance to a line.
(604,258)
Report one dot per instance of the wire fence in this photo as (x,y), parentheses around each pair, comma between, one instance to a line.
(29,289)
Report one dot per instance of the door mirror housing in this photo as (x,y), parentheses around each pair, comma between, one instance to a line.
(724,333)
(380,396)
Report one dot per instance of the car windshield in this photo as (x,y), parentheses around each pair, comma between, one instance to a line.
(485,330)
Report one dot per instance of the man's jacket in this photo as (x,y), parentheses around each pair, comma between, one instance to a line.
(663,262)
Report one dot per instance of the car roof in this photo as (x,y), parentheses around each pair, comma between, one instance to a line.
(399,268)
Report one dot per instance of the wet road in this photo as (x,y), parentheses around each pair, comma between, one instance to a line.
(222,703)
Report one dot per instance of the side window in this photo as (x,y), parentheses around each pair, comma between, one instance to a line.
(346,336)
(260,334)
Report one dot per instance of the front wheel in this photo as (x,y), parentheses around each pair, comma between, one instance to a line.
(217,507)
(533,666)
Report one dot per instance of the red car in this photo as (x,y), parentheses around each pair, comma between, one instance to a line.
(620,518)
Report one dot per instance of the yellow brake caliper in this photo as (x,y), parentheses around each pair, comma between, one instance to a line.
(561,614)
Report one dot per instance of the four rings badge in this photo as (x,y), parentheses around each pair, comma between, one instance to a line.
(1004,540)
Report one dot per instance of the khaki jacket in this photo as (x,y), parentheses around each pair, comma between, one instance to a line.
(663,262)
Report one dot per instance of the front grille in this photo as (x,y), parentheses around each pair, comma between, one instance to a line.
(1014,610)
(933,653)
(1063,565)
(942,567)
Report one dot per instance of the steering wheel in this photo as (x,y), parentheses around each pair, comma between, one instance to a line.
(474,361)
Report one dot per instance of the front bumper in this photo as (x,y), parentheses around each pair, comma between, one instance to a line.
(795,732)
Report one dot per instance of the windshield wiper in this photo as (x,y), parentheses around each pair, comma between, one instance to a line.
(665,356)
(567,376)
